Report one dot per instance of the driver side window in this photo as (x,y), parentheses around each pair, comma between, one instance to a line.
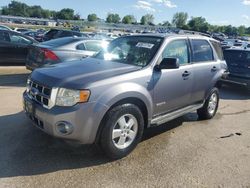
(19,39)
(177,49)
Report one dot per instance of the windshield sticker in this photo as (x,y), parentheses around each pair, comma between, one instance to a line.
(144,45)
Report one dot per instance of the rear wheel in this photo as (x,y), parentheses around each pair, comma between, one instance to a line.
(210,106)
(122,130)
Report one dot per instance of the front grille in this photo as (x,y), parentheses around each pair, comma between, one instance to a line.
(39,93)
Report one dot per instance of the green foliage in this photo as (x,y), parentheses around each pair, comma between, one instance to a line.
(180,19)
(129,19)
(113,18)
(16,8)
(147,19)
(92,17)
(198,24)
(166,24)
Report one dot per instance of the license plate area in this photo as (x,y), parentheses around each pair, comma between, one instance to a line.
(29,108)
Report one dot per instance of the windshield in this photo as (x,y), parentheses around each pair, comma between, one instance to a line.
(134,50)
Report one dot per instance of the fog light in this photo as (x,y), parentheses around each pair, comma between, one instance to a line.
(64,128)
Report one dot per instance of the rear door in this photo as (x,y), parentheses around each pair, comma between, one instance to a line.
(173,87)
(205,67)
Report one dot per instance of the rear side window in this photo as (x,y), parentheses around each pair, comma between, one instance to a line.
(218,49)
(93,46)
(202,51)
(80,47)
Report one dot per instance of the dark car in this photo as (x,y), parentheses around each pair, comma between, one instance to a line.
(57,33)
(238,61)
(61,50)
(14,47)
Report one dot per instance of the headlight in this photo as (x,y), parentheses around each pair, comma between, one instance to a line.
(69,97)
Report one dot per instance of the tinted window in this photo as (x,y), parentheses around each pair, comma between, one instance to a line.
(202,51)
(19,39)
(237,57)
(65,34)
(93,46)
(4,36)
(80,47)
(177,49)
(218,49)
(134,50)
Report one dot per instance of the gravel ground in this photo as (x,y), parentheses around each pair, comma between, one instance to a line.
(182,153)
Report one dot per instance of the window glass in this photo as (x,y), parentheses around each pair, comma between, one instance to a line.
(202,51)
(19,39)
(4,36)
(80,47)
(218,49)
(237,57)
(93,46)
(177,49)
(133,50)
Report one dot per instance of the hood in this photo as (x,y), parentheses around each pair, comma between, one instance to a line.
(78,74)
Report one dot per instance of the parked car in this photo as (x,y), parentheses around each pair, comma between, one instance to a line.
(3,27)
(35,35)
(57,33)
(137,82)
(61,50)
(14,47)
(238,61)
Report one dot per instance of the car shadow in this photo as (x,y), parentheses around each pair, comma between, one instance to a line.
(234,93)
(27,151)
(13,80)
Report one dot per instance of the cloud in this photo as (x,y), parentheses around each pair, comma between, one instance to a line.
(148,5)
(169,4)
(246,2)
(246,17)
(166,3)
(144,5)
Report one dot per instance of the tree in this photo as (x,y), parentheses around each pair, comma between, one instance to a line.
(198,24)
(179,19)
(241,30)
(66,14)
(129,19)
(92,17)
(147,19)
(166,24)
(113,18)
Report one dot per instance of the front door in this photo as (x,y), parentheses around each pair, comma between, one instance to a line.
(173,87)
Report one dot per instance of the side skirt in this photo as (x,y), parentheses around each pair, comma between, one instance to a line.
(173,115)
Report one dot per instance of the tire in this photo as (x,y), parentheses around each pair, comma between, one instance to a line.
(210,106)
(115,141)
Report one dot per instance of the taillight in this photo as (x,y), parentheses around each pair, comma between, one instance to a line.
(48,54)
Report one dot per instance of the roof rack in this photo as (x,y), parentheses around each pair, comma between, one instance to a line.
(193,33)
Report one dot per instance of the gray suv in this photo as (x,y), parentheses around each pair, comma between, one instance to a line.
(137,82)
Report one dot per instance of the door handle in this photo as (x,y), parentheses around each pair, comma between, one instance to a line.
(214,69)
(186,74)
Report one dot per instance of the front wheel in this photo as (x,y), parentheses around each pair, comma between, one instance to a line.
(122,131)
(210,106)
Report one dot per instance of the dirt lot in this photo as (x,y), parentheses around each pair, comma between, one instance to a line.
(182,153)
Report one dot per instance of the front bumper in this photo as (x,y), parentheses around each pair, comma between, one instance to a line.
(85,119)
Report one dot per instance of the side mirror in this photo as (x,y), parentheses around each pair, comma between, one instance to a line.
(168,63)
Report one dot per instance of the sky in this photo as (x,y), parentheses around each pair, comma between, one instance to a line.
(217,12)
